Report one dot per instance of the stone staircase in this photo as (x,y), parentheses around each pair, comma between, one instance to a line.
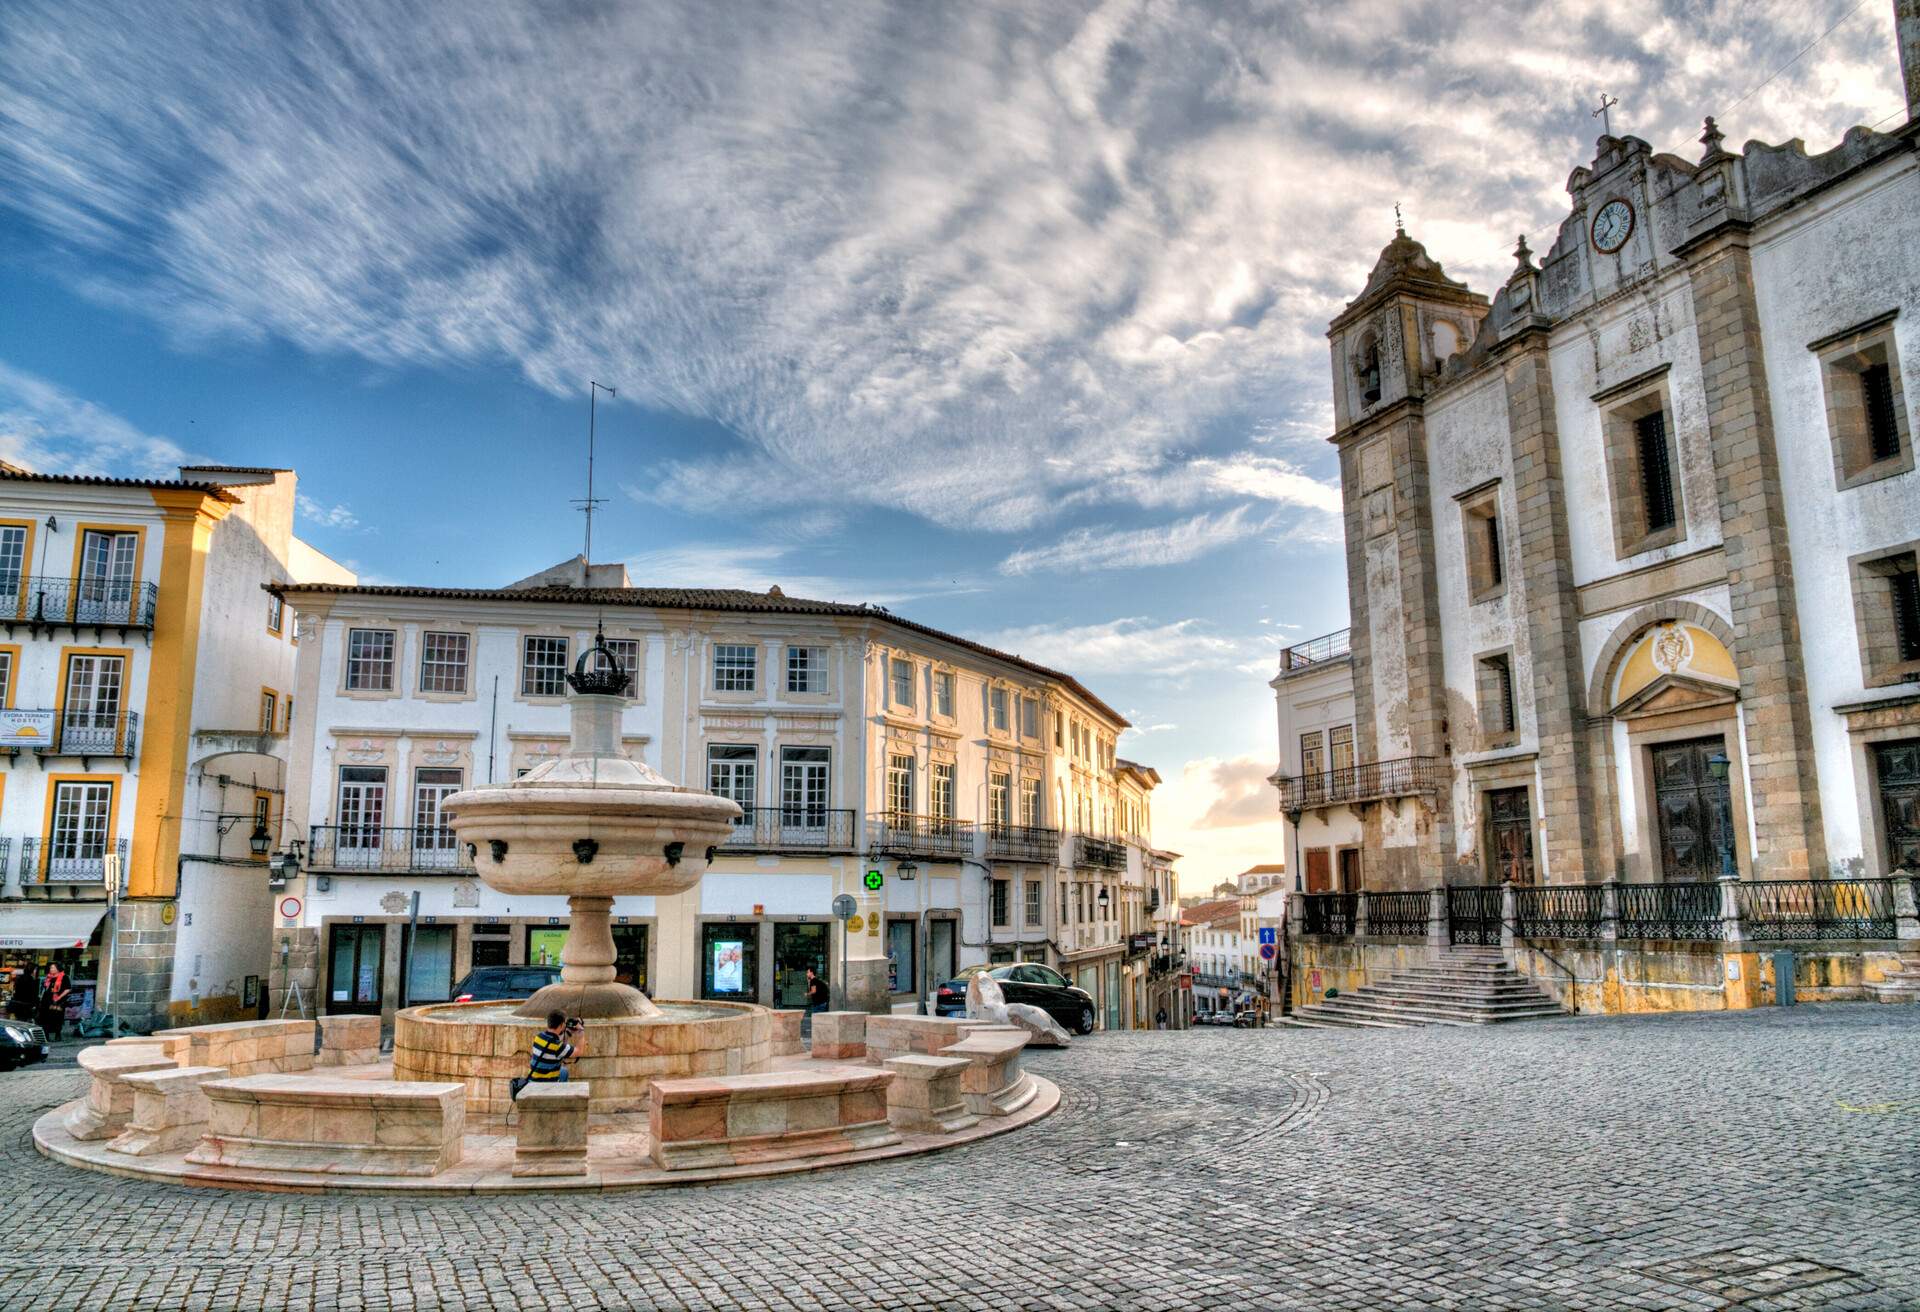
(1902,984)
(1463,986)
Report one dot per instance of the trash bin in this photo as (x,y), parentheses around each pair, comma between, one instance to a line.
(1783,979)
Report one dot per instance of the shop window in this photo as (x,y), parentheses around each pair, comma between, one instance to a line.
(1866,404)
(1886,606)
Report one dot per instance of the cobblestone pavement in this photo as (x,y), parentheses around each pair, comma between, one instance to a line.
(1761,1160)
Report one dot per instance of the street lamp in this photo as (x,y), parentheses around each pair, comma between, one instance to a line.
(1717,765)
(906,870)
(259,841)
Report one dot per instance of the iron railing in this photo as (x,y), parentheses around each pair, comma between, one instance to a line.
(1326,647)
(1023,842)
(50,600)
(85,733)
(366,847)
(1559,911)
(1370,781)
(1687,912)
(1473,915)
(1777,910)
(1401,915)
(1103,853)
(1329,913)
(40,863)
(791,829)
(897,834)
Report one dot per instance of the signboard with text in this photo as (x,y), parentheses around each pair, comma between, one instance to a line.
(26,728)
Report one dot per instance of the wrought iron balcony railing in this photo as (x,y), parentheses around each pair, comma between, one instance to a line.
(1102,853)
(76,733)
(43,862)
(1328,913)
(1326,647)
(791,829)
(1368,782)
(1023,842)
(50,601)
(366,847)
(896,834)
(1780,910)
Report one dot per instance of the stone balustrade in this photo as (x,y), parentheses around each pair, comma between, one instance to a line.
(170,1110)
(745,1119)
(994,1083)
(840,1035)
(108,1108)
(787,1041)
(926,1096)
(248,1047)
(896,1036)
(330,1125)
(348,1041)
(550,1134)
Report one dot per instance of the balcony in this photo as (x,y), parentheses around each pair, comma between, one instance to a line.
(85,734)
(352,848)
(1372,781)
(1038,843)
(935,838)
(1100,853)
(42,863)
(1315,651)
(791,829)
(50,602)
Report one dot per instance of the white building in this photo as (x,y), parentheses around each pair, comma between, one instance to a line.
(1313,696)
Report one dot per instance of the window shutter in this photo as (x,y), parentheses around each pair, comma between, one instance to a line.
(1906,613)
(1883,434)
(1656,476)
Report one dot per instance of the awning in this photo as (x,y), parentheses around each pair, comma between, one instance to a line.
(43,925)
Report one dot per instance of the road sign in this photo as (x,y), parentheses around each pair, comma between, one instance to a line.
(1268,934)
(290,908)
(845,905)
(1267,951)
(875,881)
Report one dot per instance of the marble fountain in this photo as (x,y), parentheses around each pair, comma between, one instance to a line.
(669,1092)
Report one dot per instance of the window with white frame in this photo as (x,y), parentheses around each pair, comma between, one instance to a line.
(543,666)
(1034,906)
(1032,802)
(627,652)
(940,791)
(900,671)
(1000,908)
(899,784)
(13,558)
(433,840)
(736,667)
(276,613)
(733,773)
(6,678)
(1059,730)
(363,807)
(443,662)
(804,786)
(94,688)
(806,669)
(269,710)
(1029,718)
(82,812)
(370,660)
(997,785)
(997,703)
(943,693)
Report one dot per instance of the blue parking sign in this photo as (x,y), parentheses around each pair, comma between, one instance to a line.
(1268,934)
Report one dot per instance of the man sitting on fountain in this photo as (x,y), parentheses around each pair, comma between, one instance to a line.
(556,1047)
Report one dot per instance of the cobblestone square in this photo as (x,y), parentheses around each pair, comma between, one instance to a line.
(1760,1160)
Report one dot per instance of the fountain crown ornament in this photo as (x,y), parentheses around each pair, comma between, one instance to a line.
(599,669)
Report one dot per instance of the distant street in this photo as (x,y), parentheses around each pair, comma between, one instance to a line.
(1765,1160)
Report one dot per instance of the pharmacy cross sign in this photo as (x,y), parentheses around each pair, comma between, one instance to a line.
(875,881)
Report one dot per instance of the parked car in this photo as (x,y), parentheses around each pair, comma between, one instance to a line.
(1025,981)
(21,1044)
(504,983)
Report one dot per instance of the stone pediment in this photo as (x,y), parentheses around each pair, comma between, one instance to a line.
(1675,692)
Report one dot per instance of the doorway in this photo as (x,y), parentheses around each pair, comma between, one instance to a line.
(1319,870)
(942,963)
(1692,809)
(1896,771)
(355,954)
(730,962)
(795,948)
(630,957)
(491,945)
(429,965)
(1510,835)
(1349,858)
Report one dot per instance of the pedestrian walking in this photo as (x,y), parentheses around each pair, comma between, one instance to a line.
(54,994)
(1160,1019)
(24,1002)
(817,994)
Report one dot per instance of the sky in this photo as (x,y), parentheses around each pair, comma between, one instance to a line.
(1007,316)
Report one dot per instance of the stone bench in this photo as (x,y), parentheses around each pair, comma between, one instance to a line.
(786,1033)
(840,1035)
(172,1042)
(248,1047)
(740,1119)
(108,1108)
(897,1036)
(332,1125)
(169,1110)
(348,1041)
(926,1095)
(551,1135)
(994,1082)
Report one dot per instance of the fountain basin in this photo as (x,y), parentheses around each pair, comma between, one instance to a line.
(484,1045)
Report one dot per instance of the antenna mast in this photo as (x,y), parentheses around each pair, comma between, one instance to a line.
(593,396)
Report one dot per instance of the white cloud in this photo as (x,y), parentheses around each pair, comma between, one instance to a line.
(947,260)
(1164,544)
(1222,816)
(1124,646)
(46,428)
(755,567)
(336,517)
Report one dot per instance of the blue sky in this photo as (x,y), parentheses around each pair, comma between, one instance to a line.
(1009,317)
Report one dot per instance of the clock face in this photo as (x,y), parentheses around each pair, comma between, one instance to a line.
(1612,226)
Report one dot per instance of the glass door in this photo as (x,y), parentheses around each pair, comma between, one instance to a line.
(795,948)
(434,847)
(430,965)
(730,962)
(362,813)
(354,957)
(803,788)
(106,577)
(90,715)
(942,962)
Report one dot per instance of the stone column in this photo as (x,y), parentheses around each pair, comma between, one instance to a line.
(1906,913)
(1906,25)
(1509,914)
(864,970)
(1733,930)
(1360,914)
(1438,929)
(1610,911)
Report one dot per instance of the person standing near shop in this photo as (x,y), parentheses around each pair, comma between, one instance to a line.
(817,995)
(24,1002)
(54,993)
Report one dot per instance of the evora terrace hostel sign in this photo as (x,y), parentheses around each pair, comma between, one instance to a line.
(26,728)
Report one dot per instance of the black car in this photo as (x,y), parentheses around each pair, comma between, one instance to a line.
(504,983)
(22,1043)
(1029,982)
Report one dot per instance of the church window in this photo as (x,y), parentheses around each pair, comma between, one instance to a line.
(1866,404)
(1499,723)
(1485,546)
(1886,606)
(1369,368)
(1643,468)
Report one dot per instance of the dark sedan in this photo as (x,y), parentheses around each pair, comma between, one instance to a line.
(22,1043)
(504,983)
(1029,982)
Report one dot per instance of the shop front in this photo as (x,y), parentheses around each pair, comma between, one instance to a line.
(763,960)
(34,936)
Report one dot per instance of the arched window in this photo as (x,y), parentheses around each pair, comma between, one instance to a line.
(1368,366)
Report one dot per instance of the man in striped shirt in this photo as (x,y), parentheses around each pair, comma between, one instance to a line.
(555,1048)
